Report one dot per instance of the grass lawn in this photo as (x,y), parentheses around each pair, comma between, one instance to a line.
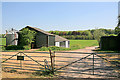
(2,41)
(79,44)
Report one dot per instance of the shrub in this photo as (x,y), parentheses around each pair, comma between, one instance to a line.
(26,47)
(14,47)
(2,48)
(53,48)
(43,73)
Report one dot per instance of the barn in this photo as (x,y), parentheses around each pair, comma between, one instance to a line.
(46,39)
(61,42)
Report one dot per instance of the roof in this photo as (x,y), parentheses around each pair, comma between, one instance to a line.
(60,39)
(39,30)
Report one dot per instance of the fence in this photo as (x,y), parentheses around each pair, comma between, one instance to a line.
(66,63)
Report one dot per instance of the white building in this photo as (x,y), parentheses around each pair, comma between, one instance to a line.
(61,42)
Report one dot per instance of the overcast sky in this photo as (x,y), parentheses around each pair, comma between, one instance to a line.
(59,15)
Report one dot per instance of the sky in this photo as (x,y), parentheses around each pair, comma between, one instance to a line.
(59,15)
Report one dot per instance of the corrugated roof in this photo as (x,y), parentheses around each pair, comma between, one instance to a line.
(60,39)
(37,29)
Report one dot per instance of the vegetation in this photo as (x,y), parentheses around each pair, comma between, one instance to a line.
(98,34)
(26,37)
(117,29)
(2,35)
(83,35)
(74,44)
(45,73)
(3,41)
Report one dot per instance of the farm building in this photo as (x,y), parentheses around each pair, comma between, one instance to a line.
(43,38)
(110,42)
(11,37)
(61,42)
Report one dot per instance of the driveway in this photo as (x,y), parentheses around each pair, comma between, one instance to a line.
(80,69)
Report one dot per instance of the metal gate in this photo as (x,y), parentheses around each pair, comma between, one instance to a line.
(67,64)
(25,61)
(91,65)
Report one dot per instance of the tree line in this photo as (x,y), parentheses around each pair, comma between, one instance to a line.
(85,34)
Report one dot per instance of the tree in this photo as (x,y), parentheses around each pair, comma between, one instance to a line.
(117,29)
(26,37)
(98,34)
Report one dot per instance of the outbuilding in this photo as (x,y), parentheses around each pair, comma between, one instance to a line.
(61,42)
(43,38)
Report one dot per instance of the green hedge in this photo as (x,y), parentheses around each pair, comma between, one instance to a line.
(15,47)
(53,48)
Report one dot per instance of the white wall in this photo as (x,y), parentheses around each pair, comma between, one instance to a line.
(67,44)
(57,44)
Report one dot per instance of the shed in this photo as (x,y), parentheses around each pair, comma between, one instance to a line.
(61,42)
(45,39)
(42,38)
(110,43)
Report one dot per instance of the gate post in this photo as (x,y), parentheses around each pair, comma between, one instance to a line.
(52,65)
(20,61)
(93,63)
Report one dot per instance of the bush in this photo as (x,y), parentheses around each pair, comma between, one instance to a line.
(2,48)
(14,47)
(53,48)
(26,47)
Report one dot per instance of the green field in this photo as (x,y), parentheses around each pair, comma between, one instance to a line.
(2,41)
(74,44)
(78,44)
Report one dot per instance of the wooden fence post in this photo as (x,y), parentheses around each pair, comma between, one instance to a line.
(20,61)
(52,63)
(93,63)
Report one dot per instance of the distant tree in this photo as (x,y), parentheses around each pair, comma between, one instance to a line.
(98,34)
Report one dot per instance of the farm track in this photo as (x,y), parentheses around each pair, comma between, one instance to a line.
(81,69)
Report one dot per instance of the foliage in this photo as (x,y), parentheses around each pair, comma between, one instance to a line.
(112,35)
(2,48)
(2,35)
(43,73)
(3,41)
(26,47)
(98,34)
(26,36)
(53,48)
(81,35)
(117,29)
(14,47)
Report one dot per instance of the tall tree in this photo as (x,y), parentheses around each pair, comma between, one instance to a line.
(98,34)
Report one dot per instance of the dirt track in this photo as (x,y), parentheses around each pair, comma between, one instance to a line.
(80,69)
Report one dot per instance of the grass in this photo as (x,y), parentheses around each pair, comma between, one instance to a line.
(79,44)
(74,44)
(3,41)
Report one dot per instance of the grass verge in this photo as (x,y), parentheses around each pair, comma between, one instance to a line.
(74,44)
